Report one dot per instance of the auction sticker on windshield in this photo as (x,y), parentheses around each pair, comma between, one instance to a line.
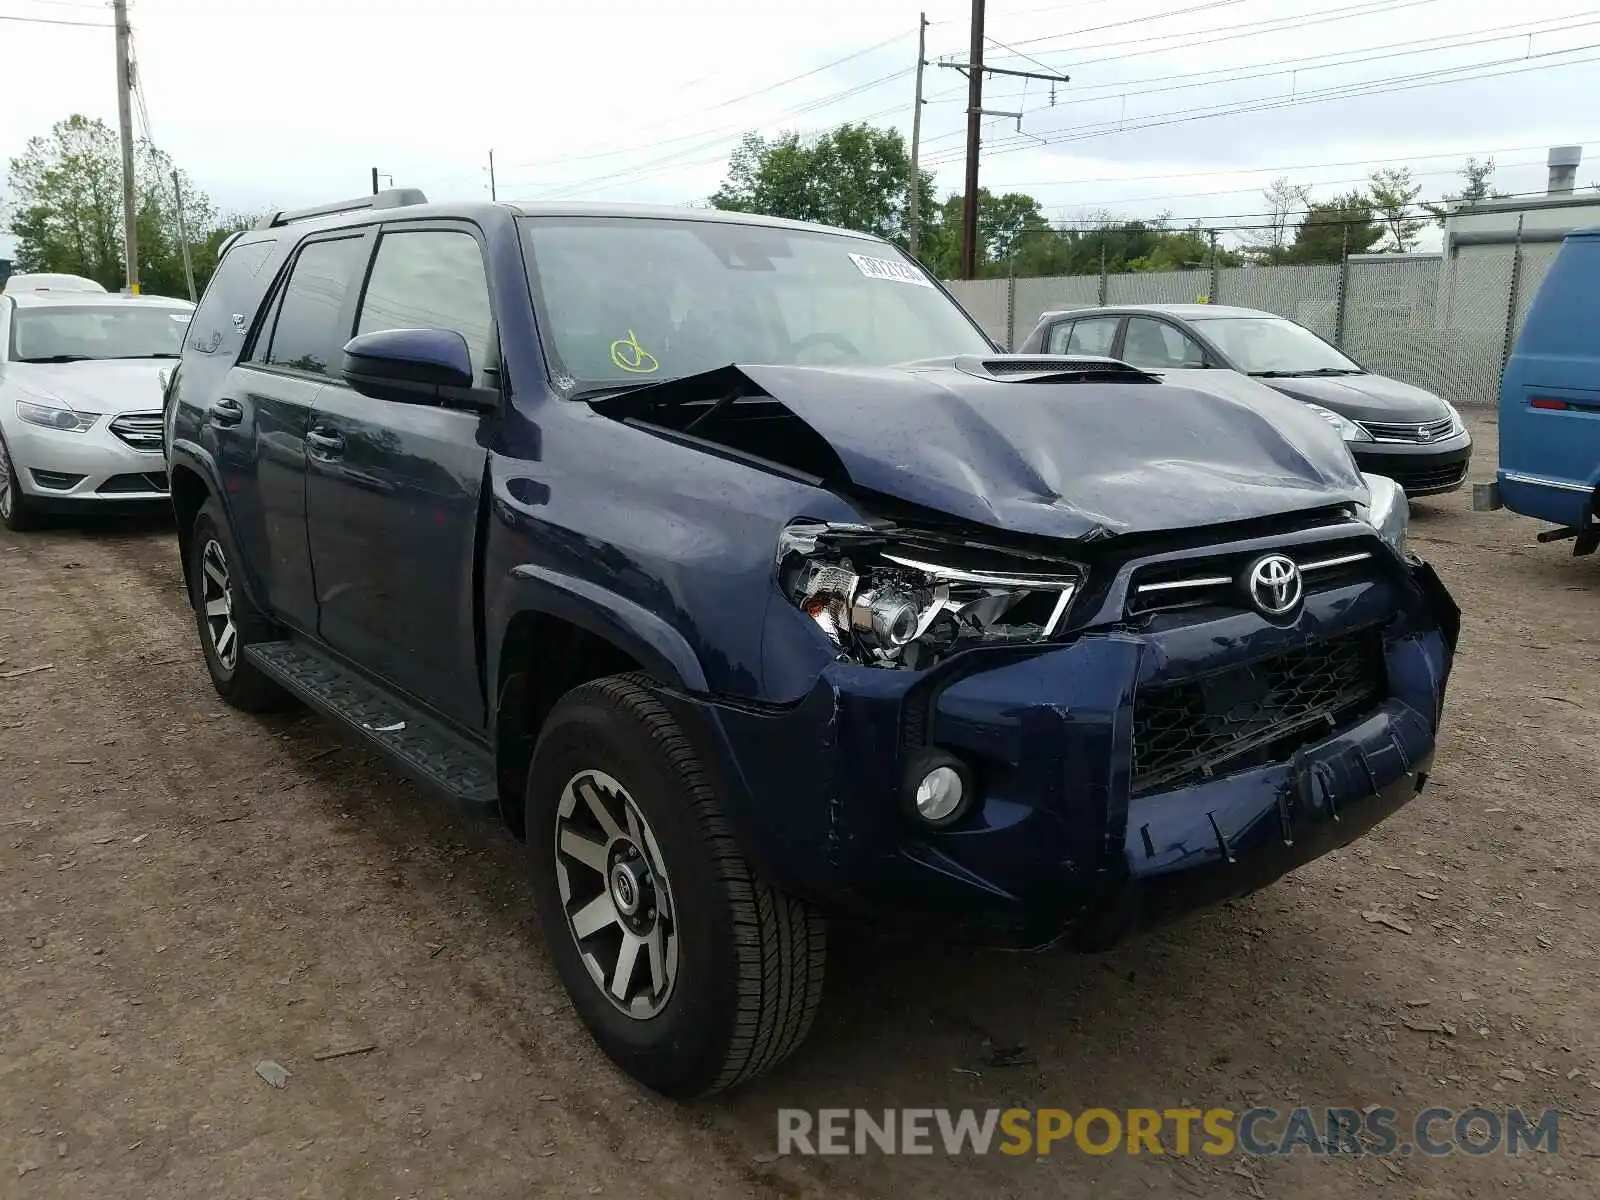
(888,268)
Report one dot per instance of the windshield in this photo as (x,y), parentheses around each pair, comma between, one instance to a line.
(625,300)
(63,333)
(1262,345)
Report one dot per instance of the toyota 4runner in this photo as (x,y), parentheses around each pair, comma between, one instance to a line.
(727,561)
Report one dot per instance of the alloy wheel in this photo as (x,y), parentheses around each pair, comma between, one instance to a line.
(616,894)
(5,483)
(216,599)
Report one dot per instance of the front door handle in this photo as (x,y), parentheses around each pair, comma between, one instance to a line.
(226,411)
(325,445)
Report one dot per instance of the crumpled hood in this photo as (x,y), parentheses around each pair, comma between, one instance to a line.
(1076,459)
(111,386)
(1365,397)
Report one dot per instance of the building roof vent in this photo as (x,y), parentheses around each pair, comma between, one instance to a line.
(1563,162)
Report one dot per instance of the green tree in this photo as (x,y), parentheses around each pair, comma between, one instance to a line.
(854,176)
(1394,196)
(66,212)
(1013,236)
(1345,224)
(1475,178)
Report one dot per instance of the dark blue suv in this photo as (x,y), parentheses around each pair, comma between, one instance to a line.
(728,561)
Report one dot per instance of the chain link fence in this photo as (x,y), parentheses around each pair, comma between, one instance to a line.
(1442,325)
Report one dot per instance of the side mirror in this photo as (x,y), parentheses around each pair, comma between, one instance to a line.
(407,363)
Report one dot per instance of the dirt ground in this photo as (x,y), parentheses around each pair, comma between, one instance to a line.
(186,891)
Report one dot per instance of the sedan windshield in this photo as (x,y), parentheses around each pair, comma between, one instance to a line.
(1274,346)
(62,333)
(624,301)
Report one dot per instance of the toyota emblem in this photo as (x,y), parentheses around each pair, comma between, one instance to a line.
(1275,585)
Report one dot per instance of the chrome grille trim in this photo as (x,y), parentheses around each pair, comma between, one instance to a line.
(142,431)
(1409,433)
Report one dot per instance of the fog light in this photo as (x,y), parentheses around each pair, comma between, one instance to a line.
(938,790)
(939,794)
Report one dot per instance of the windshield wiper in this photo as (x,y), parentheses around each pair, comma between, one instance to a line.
(606,391)
(58,358)
(1303,374)
(160,354)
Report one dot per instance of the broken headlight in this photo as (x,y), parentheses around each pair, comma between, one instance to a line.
(891,599)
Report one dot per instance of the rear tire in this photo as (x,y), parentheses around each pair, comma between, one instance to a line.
(725,973)
(16,512)
(226,618)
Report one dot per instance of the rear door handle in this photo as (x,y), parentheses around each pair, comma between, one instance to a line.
(324,444)
(226,411)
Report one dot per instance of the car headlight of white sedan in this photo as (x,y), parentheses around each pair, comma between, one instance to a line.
(68,420)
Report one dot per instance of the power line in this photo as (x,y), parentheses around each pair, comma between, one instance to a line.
(1365,8)
(1344,91)
(1296,66)
(57,21)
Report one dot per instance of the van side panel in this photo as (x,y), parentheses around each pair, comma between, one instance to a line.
(1550,394)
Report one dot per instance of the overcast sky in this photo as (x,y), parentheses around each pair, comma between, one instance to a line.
(294,102)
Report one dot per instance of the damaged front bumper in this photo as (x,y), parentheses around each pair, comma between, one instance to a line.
(1065,841)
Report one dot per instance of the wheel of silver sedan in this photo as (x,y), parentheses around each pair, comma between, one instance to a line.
(5,483)
(616,894)
(216,599)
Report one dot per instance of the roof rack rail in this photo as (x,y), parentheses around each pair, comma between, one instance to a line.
(389,198)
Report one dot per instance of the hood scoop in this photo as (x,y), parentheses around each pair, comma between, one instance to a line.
(1050,368)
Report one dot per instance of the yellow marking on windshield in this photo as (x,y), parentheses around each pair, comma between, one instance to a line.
(630,356)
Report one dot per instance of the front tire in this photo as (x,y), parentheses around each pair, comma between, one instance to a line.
(691,973)
(226,618)
(16,513)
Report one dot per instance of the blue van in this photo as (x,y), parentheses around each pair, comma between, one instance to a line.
(1550,404)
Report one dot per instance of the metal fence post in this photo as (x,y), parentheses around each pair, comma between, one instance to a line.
(1011,305)
(1341,293)
(1215,282)
(1508,341)
(1102,270)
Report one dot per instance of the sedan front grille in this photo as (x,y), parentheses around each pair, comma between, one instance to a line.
(131,485)
(1260,712)
(142,431)
(1416,434)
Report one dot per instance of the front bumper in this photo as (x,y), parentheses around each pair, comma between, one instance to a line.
(1422,470)
(1060,848)
(68,471)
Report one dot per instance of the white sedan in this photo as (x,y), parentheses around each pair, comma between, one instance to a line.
(81,377)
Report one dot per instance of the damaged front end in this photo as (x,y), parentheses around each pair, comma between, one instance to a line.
(889,599)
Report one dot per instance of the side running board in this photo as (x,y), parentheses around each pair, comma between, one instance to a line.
(421,746)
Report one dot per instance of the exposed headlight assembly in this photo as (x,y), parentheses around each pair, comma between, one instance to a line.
(891,599)
(1348,429)
(1387,510)
(68,420)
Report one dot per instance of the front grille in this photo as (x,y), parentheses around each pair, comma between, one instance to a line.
(124,485)
(1425,476)
(1194,583)
(142,431)
(1256,713)
(1419,434)
(57,480)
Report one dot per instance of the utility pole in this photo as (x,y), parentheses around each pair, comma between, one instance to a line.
(916,137)
(183,237)
(969,208)
(975,71)
(492,194)
(130,211)
(374,181)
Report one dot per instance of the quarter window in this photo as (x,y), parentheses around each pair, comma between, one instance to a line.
(309,335)
(431,279)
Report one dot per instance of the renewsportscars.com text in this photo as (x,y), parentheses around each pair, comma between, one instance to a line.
(1261,1132)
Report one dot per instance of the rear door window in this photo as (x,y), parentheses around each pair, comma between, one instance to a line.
(312,325)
